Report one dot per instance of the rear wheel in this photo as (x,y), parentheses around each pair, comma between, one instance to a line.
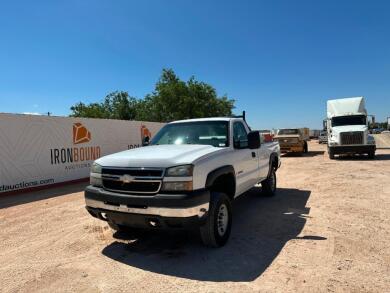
(268,186)
(216,231)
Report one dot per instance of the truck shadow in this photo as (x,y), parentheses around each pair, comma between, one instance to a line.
(378,157)
(308,154)
(261,228)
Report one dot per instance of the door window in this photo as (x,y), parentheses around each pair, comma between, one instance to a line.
(240,136)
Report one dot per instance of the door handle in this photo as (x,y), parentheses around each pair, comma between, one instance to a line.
(253,155)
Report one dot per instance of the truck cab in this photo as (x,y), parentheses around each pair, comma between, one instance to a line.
(347,126)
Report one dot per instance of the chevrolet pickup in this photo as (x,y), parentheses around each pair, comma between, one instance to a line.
(186,177)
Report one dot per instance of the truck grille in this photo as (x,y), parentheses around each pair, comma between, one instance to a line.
(132,180)
(137,172)
(348,138)
(288,140)
(133,187)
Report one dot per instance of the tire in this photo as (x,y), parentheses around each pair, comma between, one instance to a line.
(371,155)
(331,153)
(305,148)
(268,186)
(216,231)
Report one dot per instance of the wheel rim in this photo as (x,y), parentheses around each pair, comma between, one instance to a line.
(222,220)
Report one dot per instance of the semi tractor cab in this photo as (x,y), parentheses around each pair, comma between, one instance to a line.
(347,127)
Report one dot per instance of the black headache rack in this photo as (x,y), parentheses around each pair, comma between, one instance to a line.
(240,116)
(243,118)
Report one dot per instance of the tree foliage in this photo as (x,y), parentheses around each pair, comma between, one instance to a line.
(116,105)
(172,99)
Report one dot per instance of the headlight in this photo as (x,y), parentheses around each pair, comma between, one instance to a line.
(177,186)
(179,171)
(95,178)
(96,168)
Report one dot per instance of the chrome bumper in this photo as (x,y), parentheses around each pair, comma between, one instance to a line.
(199,210)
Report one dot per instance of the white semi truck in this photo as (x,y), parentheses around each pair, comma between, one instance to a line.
(347,127)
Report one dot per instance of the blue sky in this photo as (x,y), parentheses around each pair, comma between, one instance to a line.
(280,60)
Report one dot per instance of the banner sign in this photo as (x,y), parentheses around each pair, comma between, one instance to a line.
(41,150)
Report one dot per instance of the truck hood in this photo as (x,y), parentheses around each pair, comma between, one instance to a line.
(349,128)
(160,156)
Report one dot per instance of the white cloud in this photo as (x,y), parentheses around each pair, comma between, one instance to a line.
(31,113)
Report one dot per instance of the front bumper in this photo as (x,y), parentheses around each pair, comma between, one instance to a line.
(164,210)
(353,149)
(324,140)
(294,149)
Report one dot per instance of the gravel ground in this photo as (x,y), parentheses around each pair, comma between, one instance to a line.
(327,229)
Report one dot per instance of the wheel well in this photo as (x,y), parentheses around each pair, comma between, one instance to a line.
(225,183)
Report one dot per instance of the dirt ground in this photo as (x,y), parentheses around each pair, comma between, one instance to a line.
(382,140)
(327,229)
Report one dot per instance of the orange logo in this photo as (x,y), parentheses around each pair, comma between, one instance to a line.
(80,133)
(145,133)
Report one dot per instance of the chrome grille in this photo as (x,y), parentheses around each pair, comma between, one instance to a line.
(287,140)
(348,138)
(132,180)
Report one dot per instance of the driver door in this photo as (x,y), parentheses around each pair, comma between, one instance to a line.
(246,161)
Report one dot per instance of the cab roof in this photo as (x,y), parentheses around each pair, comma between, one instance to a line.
(206,119)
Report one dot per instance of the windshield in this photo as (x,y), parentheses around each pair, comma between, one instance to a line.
(288,131)
(323,133)
(214,133)
(349,120)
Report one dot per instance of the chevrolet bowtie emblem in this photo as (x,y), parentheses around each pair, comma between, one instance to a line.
(126,178)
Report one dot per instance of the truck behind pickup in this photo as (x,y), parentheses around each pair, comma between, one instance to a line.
(186,177)
(293,140)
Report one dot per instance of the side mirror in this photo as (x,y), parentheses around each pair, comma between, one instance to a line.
(324,124)
(254,140)
(145,142)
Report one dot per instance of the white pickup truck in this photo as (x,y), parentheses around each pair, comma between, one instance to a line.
(186,177)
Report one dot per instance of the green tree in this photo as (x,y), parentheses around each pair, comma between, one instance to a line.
(172,99)
(116,105)
(93,110)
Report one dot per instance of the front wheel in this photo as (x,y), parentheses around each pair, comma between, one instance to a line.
(216,231)
(331,153)
(371,155)
(268,186)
